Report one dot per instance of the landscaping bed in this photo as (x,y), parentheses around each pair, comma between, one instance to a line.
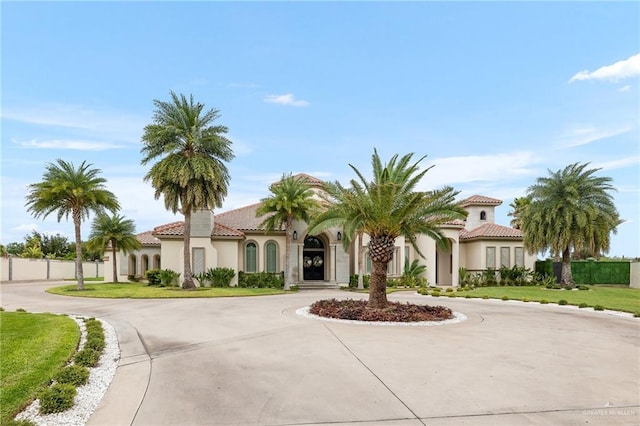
(395,311)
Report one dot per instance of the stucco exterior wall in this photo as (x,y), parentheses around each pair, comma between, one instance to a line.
(227,256)
(20,269)
(634,275)
(473,219)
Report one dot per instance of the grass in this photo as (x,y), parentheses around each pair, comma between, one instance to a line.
(34,348)
(86,279)
(614,298)
(131,290)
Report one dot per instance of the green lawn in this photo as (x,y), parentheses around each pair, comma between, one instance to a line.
(33,348)
(610,297)
(131,290)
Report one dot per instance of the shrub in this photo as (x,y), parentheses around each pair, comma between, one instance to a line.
(153,276)
(21,310)
(451,295)
(423,291)
(76,375)
(636,314)
(467,296)
(438,289)
(598,308)
(485,296)
(353,281)
(449,290)
(525,299)
(57,398)
(87,357)
(220,277)
(505,297)
(168,278)
(294,287)
(1,309)
(134,278)
(562,302)
(96,343)
(583,287)
(261,280)
(435,294)
(544,301)
(583,305)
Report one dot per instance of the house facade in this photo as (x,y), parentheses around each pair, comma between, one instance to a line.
(235,239)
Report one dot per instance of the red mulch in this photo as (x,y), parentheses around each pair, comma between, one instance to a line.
(395,311)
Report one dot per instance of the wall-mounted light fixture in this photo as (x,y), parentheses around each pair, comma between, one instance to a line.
(339,236)
(295,235)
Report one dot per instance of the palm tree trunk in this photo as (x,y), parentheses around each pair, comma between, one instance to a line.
(115,268)
(360,262)
(566,279)
(287,255)
(188,275)
(76,226)
(378,286)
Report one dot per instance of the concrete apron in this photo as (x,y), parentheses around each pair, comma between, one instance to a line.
(254,361)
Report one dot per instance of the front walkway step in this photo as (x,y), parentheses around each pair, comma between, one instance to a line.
(317,286)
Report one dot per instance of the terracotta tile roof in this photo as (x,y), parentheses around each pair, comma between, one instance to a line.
(173,228)
(242,219)
(491,230)
(220,230)
(177,229)
(475,200)
(147,239)
(455,222)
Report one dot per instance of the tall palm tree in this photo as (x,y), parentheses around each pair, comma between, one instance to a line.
(385,208)
(114,230)
(70,191)
(291,199)
(191,173)
(570,209)
(518,205)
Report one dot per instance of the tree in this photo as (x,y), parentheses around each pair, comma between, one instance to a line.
(571,209)
(291,199)
(385,208)
(70,191)
(519,205)
(15,249)
(191,173)
(116,231)
(53,246)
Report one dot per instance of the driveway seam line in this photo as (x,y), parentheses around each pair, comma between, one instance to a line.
(375,375)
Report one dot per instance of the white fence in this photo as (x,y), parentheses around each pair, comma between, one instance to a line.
(19,269)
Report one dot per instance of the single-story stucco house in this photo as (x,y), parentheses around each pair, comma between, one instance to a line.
(235,239)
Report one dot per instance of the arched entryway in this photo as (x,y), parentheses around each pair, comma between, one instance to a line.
(444,265)
(313,259)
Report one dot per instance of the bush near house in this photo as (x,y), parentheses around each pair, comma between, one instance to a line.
(261,280)
(153,276)
(353,281)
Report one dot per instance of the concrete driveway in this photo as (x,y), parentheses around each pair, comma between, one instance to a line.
(253,361)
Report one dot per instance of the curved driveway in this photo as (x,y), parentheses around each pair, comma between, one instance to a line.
(253,361)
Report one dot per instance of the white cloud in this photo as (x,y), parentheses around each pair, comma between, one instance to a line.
(26,227)
(102,122)
(480,169)
(78,145)
(286,99)
(586,135)
(614,72)
(618,164)
(624,88)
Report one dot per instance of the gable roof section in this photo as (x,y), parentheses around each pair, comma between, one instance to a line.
(491,231)
(480,200)
(177,229)
(147,239)
(242,219)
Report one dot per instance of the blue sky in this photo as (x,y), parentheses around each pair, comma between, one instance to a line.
(495,94)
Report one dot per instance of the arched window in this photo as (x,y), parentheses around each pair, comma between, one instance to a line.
(250,257)
(271,250)
(483,215)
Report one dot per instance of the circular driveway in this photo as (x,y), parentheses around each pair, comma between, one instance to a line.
(253,361)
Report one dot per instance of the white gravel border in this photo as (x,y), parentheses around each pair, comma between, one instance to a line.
(89,395)
(457,317)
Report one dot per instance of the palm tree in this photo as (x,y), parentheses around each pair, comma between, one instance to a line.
(570,209)
(191,173)
(114,230)
(518,205)
(291,199)
(386,208)
(70,191)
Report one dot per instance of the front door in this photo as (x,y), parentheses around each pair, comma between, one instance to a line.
(313,259)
